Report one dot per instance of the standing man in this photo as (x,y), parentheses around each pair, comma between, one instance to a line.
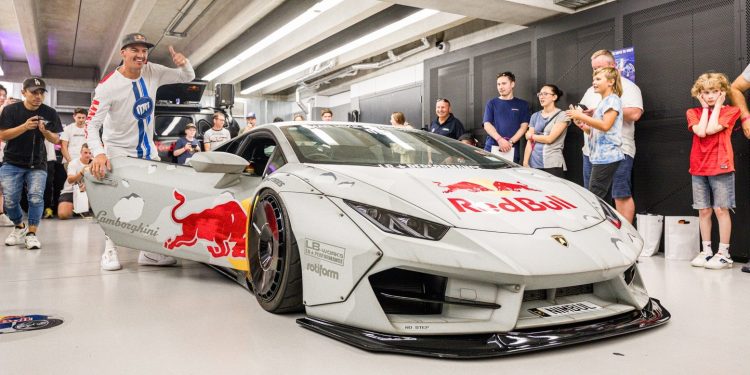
(124,110)
(632,109)
(73,136)
(250,118)
(506,118)
(326,114)
(446,124)
(218,133)
(736,94)
(25,126)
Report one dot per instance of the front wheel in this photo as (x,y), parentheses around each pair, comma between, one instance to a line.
(275,273)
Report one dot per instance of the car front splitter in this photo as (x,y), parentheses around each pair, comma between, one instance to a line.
(493,344)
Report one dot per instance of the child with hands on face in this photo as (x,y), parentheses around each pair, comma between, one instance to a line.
(712,165)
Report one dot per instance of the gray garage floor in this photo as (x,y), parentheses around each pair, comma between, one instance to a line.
(191,320)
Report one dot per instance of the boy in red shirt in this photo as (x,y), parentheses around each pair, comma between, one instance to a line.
(712,165)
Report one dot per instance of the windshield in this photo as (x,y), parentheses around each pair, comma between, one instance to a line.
(384,145)
(170,126)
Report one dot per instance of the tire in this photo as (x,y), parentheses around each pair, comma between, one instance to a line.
(275,274)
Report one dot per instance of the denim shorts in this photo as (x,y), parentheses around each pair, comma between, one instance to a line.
(621,184)
(719,187)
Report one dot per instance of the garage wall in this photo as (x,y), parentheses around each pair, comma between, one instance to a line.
(674,42)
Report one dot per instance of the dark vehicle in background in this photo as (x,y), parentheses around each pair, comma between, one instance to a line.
(178,105)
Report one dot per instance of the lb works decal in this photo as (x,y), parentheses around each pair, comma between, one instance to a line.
(483,195)
(26,323)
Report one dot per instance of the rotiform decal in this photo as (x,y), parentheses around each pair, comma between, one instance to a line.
(322,271)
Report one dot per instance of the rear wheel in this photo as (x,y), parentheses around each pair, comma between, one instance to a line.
(275,272)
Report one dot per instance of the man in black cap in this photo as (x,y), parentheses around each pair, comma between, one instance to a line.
(123,107)
(24,126)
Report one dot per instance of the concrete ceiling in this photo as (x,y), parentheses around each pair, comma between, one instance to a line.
(46,35)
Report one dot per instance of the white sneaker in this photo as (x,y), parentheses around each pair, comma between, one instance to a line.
(154,259)
(16,237)
(110,261)
(701,259)
(32,242)
(5,221)
(719,261)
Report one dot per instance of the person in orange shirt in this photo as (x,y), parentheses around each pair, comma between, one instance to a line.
(712,165)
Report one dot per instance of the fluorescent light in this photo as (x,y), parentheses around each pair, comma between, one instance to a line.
(369,38)
(274,37)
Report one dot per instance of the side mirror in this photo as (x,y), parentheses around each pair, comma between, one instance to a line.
(217,162)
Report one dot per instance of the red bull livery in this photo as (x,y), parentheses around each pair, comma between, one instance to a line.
(391,240)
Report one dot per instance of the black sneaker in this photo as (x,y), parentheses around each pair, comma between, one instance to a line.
(746,267)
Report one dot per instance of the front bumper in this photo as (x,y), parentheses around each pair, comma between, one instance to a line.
(493,344)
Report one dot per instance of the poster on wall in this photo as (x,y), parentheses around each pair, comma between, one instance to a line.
(625,60)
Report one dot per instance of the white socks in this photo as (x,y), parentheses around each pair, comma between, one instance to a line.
(707,247)
(724,249)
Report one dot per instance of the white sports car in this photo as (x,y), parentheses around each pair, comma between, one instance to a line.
(391,240)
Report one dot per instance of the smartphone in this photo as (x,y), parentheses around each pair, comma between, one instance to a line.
(583,106)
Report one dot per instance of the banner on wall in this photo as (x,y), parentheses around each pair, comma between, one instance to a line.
(625,60)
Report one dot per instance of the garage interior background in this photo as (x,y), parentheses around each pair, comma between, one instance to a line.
(674,42)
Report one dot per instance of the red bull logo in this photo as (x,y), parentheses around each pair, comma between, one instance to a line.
(462,185)
(220,225)
(476,188)
(506,186)
(505,204)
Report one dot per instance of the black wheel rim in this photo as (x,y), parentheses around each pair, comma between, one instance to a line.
(268,249)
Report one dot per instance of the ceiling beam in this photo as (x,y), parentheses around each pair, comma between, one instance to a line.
(209,42)
(430,25)
(332,21)
(136,14)
(29,28)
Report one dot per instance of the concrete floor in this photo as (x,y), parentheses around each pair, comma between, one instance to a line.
(191,320)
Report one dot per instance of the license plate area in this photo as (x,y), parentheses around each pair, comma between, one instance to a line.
(565,309)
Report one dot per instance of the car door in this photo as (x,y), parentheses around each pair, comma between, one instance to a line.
(194,212)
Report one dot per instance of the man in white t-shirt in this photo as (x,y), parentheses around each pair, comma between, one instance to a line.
(741,85)
(73,136)
(217,134)
(76,169)
(123,107)
(632,109)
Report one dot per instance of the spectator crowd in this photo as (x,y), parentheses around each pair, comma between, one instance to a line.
(31,132)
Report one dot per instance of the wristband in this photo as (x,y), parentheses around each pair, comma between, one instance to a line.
(532,138)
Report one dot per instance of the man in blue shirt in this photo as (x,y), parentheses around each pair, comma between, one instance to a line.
(446,124)
(506,118)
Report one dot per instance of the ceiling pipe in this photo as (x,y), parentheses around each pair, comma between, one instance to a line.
(348,72)
(354,69)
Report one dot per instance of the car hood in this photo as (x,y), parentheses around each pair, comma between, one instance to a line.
(510,200)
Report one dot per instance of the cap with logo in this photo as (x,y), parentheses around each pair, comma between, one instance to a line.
(33,84)
(135,38)
(250,115)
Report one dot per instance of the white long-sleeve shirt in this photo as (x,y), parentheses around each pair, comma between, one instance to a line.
(125,109)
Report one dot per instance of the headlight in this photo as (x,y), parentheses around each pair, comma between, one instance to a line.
(396,223)
(610,214)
